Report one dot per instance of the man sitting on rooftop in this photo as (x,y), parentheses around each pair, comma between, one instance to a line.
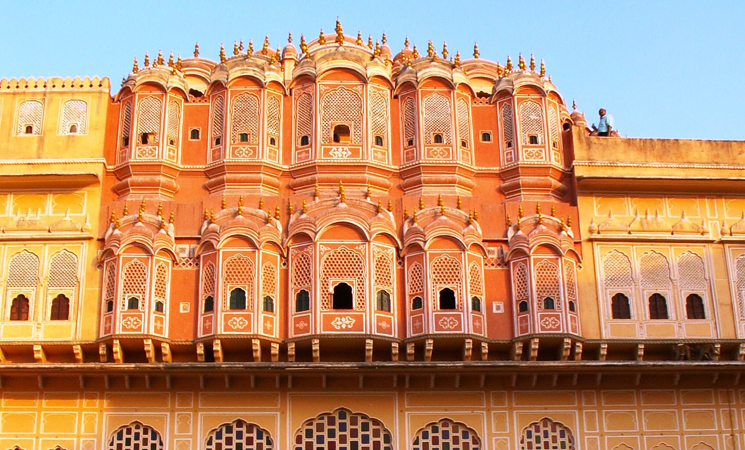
(605,125)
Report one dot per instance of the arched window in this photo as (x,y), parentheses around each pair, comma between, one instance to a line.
(74,117)
(305,140)
(149,120)
(447,299)
(695,307)
(531,123)
(135,436)
(302,301)
(239,435)
(30,116)
(60,308)
(342,429)
(620,308)
(383,301)
(417,303)
(547,435)
(657,307)
(342,298)
(237,299)
(438,138)
(159,306)
(133,303)
(272,141)
(243,137)
(109,306)
(522,306)
(194,134)
(409,122)
(29,129)
(476,304)
(446,435)
(218,119)
(485,136)
(245,118)
(268,304)
(379,141)
(341,134)
(19,308)
(73,129)
(572,306)
(209,304)
(549,303)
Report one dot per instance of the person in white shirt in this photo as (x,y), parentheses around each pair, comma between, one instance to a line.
(605,125)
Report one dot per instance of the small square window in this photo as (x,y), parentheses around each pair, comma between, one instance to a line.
(533,139)
(486,136)
(194,134)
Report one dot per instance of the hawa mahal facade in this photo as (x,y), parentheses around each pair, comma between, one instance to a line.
(332,246)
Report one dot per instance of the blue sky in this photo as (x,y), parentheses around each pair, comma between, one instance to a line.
(661,68)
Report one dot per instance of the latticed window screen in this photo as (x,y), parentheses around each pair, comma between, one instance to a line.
(547,435)
(507,123)
(617,270)
(446,271)
(570,275)
(161,282)
(208,280)
(74,112)
(303,117)
(464,122)
(521,282)
(218,117)
(654,270)
(135,436)
(409,121)
(740,272)
(379,114)
(416,279)
(475,283)
(343,264)
(446,435)
(344,106)
(63,271)
(343,430)
(239,435)
(174,121)
(383,269)
(245,118)
(301,269)
(691,273)
(134,282)
(126,123)
(238,270)
(437,118)
(269,280)
(23,270)
(547,282)
(30,113)
(148,119)
(553,124)
(531,122)
(273,118)
(110,288)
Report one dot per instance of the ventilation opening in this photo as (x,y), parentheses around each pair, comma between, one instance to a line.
(572,306)
(416,303)
(133,303)
(464,143)
(159,306)
(342,296)
(73,128)
(522,306)
(110,306)
(438,138)
(549,303)
(147,138)
(302,301)
(486,137)
(657,307)
(533,139)
(272,141)
(243,137)
(695,307)
(447,299)
(194,134)
(342,134)
(60,308)
(305,140)
(475,304)
(379,141)
(195,93)
(509,144)
(268,304)
(29,129)
(218,141)
(125,141)
(19,308)
(383,301)
(410,143)
(620,307)
(567,126)
(209,304)
(237,299)
(171,141)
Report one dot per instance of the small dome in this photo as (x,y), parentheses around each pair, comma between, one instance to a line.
(289,52)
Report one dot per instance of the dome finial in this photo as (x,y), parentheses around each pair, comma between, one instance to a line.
(321,38)
(170,60)
(240,46)
(508,66)
(265,47)
(520,61)
(342,194)
(160,58)
(147,59)
(406,42)
(384,39)
(339,32)
(376,52)
(289,37)
(359,39)
(135,68)
(574,105)
(369,41)
(457,59)
(415,52)
(250,50)
(445,50)
(235,48)
(222,54)
(303,45)
(430,49)
(532,63)
(543,69)
(179,64)
(196,50)
(475,50)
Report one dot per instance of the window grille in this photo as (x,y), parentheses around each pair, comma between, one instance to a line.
(134,284)
(475,283)
(617,270)
(174,121)
(126,124)
(31,113)
(303,117)
(63,270)
(547,435)
(343,429)
(273,118)
(379,114)
(238,270)
(409,122)
(239,435)
(464,122)
(23,270)
(446,435)
(343,264)
(416,279)
(161,283)
(437,118)
(149,119)
(218,119)
(74,112)
(341,105)
(507,124)
(531,122)
(446,271)
(654,270)
(691,273)
(522,283)
(547,283)
(135,436)
(245,118)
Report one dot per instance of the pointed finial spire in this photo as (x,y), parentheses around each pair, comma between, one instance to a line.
(125,212)
(442,210)
(212,215)
(543,69)
(520,212)
(291,208)
(235,48)
(460,203)
(160,210)
(289,37)
(142,205)
(384,39)
(380,206)
(508,66)
(406,42)
(532,63)
(223,203)
(475,214)
(440,201)
(369,41)
(415,52)
(265,47)
(476,50)
(160,58)
(276,212)
(305,207)
(172,217)
(321,37)
(508,220)
(390,205)
(520,61)
(368,192)
(339,33)
(303,45)
(574,105)
(342,195)
(553,210)
(414,217)
(359,38)
(179,64)
(445,50)
(147,59)
(222,54)
(206,214)
(457,59)
(406,213)
(196,50)
(261,203)
(135,68)
(240,46)
(537,208)
(250,50)
(376,52)
(421,202)
(430,49)
(170,60)
(499,70)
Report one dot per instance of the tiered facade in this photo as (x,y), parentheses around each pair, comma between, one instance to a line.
(335,247)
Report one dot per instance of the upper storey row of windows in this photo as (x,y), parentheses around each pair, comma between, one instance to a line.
(30,115)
